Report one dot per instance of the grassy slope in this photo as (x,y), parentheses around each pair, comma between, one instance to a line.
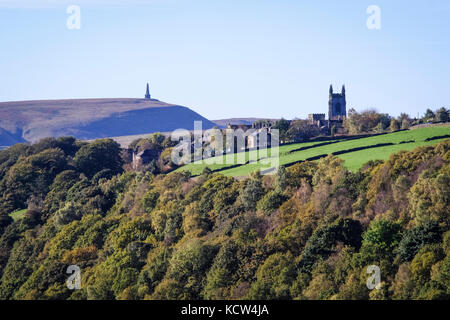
(353,160)
(18,214)
(197,167)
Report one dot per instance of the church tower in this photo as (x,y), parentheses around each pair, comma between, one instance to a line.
(147,94)
(337,105)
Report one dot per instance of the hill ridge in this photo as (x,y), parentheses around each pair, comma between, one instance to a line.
(31,120)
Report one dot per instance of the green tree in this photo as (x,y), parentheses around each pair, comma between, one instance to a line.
(442,115)
(33,175)
(365,121)
(423,262)
(97,156)
(271,201)
(381,239)
(189,265)
(274,278)
(222,274)
(283,126)
(404,120)
(429,115)
(252,192)
(156,138)
(416,238)
(301,130)
(429,198)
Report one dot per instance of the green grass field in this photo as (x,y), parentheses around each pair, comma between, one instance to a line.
(18,214)
(353,159)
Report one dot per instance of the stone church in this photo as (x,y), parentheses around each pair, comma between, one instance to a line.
(337,106)
(337,111)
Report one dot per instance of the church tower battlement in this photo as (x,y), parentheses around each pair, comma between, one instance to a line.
(337,105)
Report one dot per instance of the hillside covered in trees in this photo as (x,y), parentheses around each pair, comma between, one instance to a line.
(308,232)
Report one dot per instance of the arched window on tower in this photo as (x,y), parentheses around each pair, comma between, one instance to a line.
(337,108)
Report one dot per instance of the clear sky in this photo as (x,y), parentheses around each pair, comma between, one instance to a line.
(230,58)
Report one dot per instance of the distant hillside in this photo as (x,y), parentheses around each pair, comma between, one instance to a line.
(236,121)
(23,121)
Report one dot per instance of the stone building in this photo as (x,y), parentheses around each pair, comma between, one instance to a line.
(317,119)
(144,157)
(337,105)
(259,139)
(337,111)
(243,127)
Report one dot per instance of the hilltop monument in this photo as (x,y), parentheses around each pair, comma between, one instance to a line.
(147,93)
(337,105)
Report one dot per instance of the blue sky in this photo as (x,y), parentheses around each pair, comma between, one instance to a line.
(243,58)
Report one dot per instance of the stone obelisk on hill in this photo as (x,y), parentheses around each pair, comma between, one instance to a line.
(147,93)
